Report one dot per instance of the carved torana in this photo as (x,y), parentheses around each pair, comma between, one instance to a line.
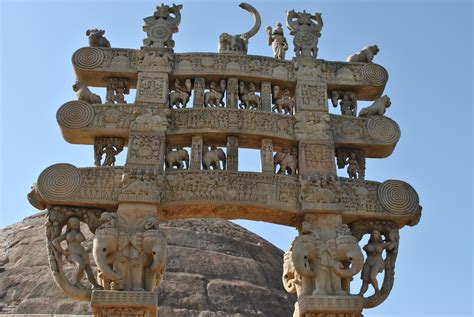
(192,114)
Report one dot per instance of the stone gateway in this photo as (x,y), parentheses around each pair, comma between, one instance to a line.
(182,134)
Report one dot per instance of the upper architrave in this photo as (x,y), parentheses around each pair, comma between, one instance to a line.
(94,65)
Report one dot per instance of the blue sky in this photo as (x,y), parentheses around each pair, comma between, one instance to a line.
(426,46)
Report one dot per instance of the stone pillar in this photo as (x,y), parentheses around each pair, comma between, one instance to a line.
(232,95)
(316,157)
(196,153)
(266,156)
(129,304)
(266,96)
(232,154)
(146,148)
(199,86)
(152,87)
(311,96)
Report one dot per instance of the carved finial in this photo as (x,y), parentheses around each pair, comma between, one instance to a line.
(96,38)
(366,55)
(306,29)
(161,26)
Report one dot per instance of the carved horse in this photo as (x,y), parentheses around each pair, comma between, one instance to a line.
(214,97)
(180,96)
(248,97)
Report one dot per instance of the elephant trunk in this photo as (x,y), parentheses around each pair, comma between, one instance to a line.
(357,262)
(100,251)
(300,255)
(256,17)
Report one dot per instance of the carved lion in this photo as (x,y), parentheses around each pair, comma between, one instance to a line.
(377,108)
(366,55)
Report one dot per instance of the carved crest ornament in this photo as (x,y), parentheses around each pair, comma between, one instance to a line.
(182,136)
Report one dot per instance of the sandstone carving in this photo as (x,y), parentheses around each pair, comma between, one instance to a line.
(287,162)
(96,38)
(179,98)
(111,147)
(366,55)
(161,26)
(117,88)
(84,94)
(274,106)
(320,263)
(378,108)
(212,158)
(75,252)
(282,100)
(239,43)
(355,161)
(249,99)
(306,30)
(277,41)
(59,217)
(178,158)
(134,262)
(215,96)
(348,102)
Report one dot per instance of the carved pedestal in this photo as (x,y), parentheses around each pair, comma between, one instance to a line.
(330,306)
(124,304)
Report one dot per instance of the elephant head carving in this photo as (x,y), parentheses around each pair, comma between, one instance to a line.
(155,249)
(105,248)
(325,267)
(349,256)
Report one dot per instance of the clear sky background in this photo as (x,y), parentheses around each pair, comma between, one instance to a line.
(426,46)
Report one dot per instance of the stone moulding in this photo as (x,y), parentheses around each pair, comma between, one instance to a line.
(324,305)
(94,65)
(244,195)
(378,136)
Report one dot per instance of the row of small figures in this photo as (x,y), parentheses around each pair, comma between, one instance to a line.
(282,100)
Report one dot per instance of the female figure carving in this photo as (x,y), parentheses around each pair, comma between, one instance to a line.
(75,252)
(374,264)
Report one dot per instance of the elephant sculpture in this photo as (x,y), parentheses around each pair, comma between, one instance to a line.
(292,280)
(212,158)
(130,262)
(239,43)
(178,158)
(155,250)
(106,256)
(330,264)
(287,162)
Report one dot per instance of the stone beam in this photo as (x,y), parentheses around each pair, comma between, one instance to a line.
(183,193)
(94,65)
(81,123)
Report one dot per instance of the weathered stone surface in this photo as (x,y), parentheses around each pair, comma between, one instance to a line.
(215,268)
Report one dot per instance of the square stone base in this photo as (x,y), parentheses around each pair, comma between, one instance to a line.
(330,306)
(124,304)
